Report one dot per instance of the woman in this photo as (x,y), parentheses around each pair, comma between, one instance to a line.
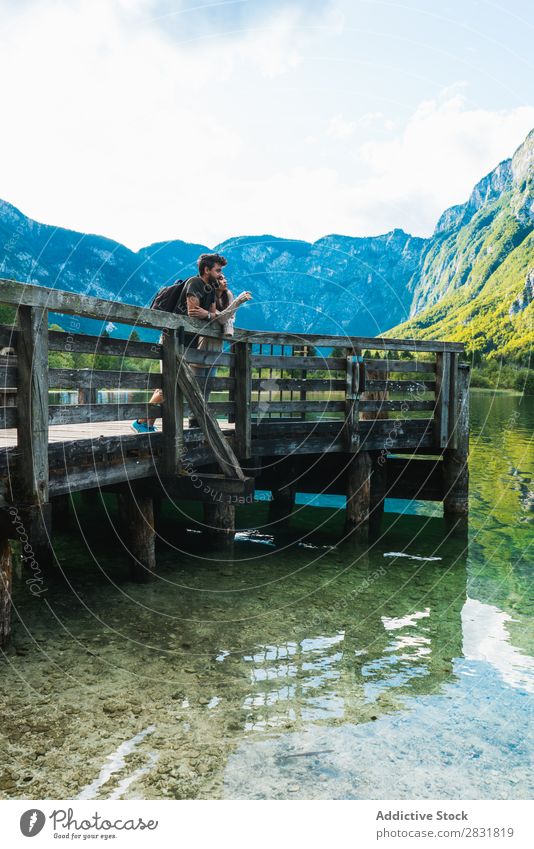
(226,307)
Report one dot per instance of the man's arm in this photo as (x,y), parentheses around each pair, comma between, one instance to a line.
(196,311)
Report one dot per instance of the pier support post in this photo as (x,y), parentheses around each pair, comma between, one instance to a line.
(136,509)
(219,523)
(378,493)
(455,467)
(358,496)
(6,566)
(282,504)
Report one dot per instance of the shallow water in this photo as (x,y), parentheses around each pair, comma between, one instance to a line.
(294,670)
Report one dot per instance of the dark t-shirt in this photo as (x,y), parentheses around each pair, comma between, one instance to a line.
(204,293)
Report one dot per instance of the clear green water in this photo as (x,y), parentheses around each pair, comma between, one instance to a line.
(294,670)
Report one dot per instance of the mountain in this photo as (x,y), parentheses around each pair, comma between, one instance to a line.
(476,277)
(335,285)
(472,280)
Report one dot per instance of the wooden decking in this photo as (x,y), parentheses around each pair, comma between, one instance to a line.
(91,430)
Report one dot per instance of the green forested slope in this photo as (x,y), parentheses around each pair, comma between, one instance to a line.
(476,279)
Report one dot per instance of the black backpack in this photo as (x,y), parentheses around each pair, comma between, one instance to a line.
(168,298)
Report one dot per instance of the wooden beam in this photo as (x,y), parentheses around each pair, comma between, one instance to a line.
(401,366)
(32,406)
(81,413)
(371,342)
(352,398)
(138,535)
(242,399)
(173,405)
(443,384)
(64,378)
(455,460)
(224,454)
(219,523)
(453,403)
(358,496)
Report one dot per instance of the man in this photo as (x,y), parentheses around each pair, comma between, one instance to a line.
(197,301)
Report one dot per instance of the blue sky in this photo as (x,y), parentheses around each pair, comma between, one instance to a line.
(148,120)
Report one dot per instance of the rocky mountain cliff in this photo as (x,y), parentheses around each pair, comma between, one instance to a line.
(474,282)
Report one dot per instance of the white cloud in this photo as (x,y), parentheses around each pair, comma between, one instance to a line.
(444,149)
(114,125)
(340,128)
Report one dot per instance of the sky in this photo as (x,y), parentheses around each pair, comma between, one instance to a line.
(151,120)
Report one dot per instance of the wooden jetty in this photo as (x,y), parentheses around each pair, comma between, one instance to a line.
(376,418)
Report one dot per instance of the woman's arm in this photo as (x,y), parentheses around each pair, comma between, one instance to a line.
(223,316)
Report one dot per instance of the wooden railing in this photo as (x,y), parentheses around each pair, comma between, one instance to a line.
(260,380)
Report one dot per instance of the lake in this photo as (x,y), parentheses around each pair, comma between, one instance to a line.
(300,667)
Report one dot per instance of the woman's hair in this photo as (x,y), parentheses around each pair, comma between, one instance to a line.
(223,298)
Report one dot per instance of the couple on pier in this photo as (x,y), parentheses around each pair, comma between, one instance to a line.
(205,297)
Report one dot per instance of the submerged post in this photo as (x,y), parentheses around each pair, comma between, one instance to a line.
(137,513)
(455,465)
(358,496)
(219,523)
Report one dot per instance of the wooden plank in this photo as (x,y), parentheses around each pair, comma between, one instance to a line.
(301,363)
(400,386)
(406,405)
(351,404)
(172,412)
(441,418)
(208,487)
(243,399)
(358,496)
(216,384)
(298,406)
(209,358)
(32,406)
(296,384)
(455,460)
(62,378)
(8,336)
(8,374)
(73,303)
(453,403)
(8,417)
(81,343)
(397,366)
(224,454)
(99,475)
(373,343)
(78,413)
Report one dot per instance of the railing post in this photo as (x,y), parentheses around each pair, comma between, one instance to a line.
(32,428)
(443,388)
(243,392)
(352,405)
(172,411)
(455,467)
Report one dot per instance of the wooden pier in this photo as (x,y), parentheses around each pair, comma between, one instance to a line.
(367,418)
